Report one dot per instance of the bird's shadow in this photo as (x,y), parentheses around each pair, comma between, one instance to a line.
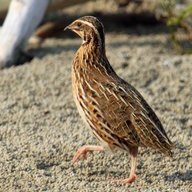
(186,176)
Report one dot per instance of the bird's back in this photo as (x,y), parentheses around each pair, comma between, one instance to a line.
(146,123)
(115,111)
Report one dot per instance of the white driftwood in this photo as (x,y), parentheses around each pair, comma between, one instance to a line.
(22,19)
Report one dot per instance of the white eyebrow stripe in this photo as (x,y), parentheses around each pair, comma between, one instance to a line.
(86,22)
(91,25)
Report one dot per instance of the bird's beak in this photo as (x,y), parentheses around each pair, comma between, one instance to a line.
(71,27)
(67,27)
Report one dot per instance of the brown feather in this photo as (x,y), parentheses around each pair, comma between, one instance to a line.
(115,111)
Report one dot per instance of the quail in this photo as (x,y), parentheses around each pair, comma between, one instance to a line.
(115,111)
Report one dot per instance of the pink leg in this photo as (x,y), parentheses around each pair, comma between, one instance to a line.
(83,151)
(132,175)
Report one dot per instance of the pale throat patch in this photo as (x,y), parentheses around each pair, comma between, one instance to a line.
(95,30)
(83,41)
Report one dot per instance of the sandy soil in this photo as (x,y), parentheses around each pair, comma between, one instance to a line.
(40,129)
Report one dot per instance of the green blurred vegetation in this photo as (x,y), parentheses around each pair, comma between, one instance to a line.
(179,23)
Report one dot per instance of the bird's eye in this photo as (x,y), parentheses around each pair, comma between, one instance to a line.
(79,24)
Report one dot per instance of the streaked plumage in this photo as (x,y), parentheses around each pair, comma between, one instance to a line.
(114,110)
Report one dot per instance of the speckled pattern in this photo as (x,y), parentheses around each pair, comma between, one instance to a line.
(40,129)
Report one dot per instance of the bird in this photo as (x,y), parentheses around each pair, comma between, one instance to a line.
(115,112)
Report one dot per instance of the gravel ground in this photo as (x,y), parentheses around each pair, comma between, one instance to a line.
(40,129)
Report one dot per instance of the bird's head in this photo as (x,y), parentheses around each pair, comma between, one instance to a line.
(90,29)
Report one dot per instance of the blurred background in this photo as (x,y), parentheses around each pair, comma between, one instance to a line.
(174,16)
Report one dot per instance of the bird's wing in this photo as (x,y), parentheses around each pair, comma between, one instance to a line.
(126,117)
(143,119)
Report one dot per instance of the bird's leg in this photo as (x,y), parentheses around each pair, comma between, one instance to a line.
(132,176)
(83,151)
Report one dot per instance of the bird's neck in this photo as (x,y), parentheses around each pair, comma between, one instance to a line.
(94,44)
(92,55)
(92,51)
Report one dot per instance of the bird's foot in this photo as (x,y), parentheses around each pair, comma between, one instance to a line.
(129,180)
(83,151)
